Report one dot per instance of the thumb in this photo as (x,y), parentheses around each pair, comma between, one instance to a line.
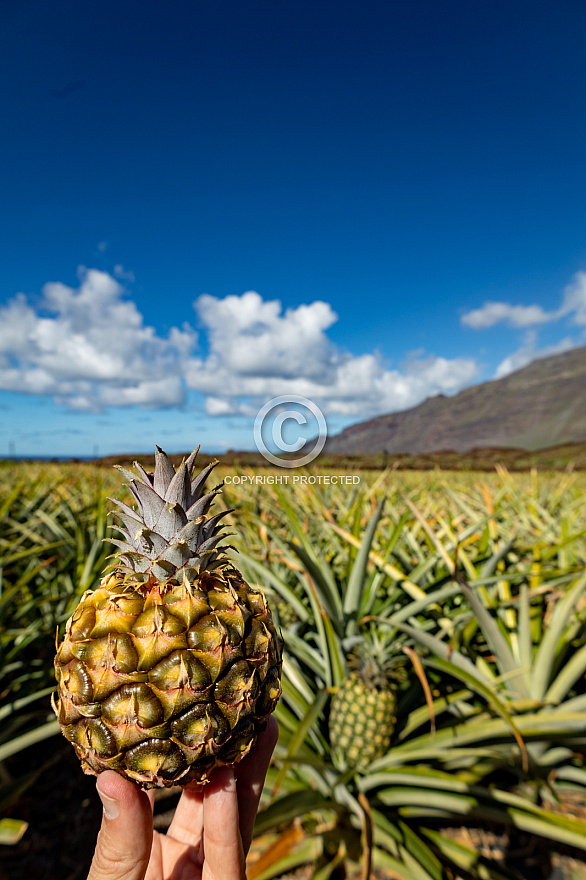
(124,843)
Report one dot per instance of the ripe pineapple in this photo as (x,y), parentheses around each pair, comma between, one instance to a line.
(172,666)
(363,707)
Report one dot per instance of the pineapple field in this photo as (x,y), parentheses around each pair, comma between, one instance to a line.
(433,708)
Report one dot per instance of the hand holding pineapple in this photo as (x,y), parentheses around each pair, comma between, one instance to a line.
(210,833)
(167,675)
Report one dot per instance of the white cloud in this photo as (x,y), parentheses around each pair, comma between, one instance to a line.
(224,406)
(252,337)
(493,313)
(524,317)
(529,352)
(89,348)
(573,308)
(259,351)
(574,302)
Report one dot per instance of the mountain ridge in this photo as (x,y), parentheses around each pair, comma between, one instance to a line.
(540,405)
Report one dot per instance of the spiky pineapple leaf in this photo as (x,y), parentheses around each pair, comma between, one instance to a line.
(357,580)
(550,644)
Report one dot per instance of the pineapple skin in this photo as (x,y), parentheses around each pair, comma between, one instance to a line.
(361,722)
(166,672)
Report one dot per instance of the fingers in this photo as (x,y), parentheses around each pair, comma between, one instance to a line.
(223,853)
(124,843)
(251,774)
(187,824)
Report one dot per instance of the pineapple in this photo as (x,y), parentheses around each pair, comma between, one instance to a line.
(172,666)
(362,711)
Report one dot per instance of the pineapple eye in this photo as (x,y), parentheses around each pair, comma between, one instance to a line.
(228,610)
(157,619)
(155,758)
(116,614)
(240,743)
(83,622)
(258,639)
(208,634)
(221,600)
(114,651)
(93,734)
(202,725)
(75,680)
(133,704)
(255,601)
(188,606)
(122,603)
(180,669)
(269,694)
(236,691)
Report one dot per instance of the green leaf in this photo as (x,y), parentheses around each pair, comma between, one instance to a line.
(280,587)
(309,850)
(11,831)
(290,807)
(16,705)
(428,864)
(28,739)
(494,638)
(524,631)
(357,579)
(546,653)
(570,673)
(335,654)
(328,596)
(397,868)
(391,570)
(305,652)
(465,858)
(491,565)
(475,684)
(319,570)
(307,722)
(440,649)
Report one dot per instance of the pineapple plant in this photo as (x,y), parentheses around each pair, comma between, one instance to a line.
(285,614)
(172,666)
(362,711)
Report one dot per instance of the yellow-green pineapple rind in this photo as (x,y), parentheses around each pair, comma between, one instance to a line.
(361,723)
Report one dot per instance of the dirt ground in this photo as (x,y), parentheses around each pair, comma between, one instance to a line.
(63,812)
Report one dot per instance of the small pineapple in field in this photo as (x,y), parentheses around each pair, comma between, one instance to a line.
(172,666)
(362,711)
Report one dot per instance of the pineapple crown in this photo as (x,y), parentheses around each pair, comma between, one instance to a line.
(378,660)
(170,531)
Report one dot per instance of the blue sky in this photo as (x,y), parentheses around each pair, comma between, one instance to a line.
(209,204)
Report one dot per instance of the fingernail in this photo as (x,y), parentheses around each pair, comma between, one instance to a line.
(110,806)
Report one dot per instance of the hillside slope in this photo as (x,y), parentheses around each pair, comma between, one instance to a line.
(541,405)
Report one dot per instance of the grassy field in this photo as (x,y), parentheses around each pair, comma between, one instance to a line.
(476,577)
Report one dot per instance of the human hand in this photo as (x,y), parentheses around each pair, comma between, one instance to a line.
(210,833)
